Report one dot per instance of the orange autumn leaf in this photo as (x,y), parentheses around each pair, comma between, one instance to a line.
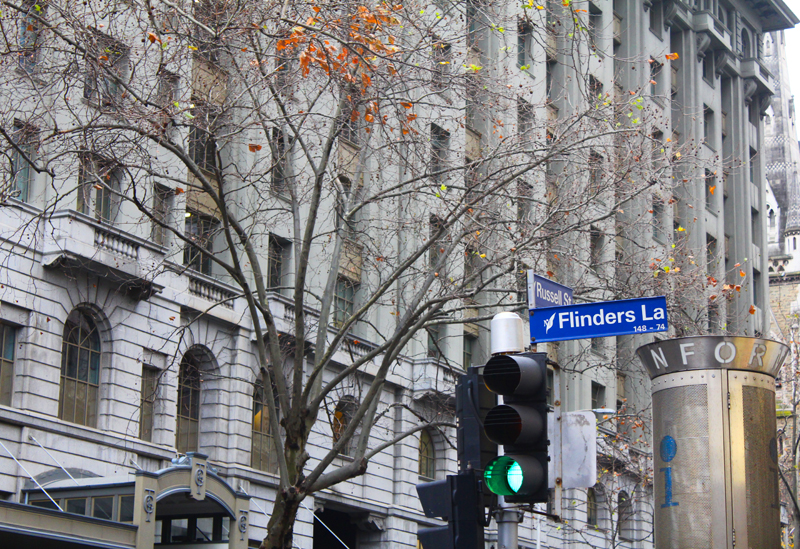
(551,274)
(712,189)
(738,288)
(152,37)
(672,56)
(742,273)
(316,9)
(253,147)
(752,309)
(178,190)
(369,118)
(738,265)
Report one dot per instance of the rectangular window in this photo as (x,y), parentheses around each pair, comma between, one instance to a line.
(29,28)
(708,67)
(98,187)
(550,69)
(595,173)
(597,345)
(470,343)
(711,254)
(595,90)
(76,505)
(277,249)
(200,230)
(106,61)
(162,212)
(126,508)
(753,160)
(711,189)
(350,118)
(524,45)
(440,144)
(657,152)
(657,17)
(147,402)
(658,220)
(280,160)
(595,25)
(202,144)
(598,396)
(434,342)
(8,334)
(655,75)
(595,248)
(708,126)
(22,172)
(103,507)
(438,242)
(442,58)
(344,301)
(525,119)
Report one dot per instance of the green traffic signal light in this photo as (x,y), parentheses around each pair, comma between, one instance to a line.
(504,476)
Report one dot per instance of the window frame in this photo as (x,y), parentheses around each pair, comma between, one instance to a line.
(81,321)
(193,255)
(162,211)
(426,464)
(99,181)
(187,425)
(25,144)
(344,300)
(340,421)
(103,81)
(29,35)
(262,454)
(8,342)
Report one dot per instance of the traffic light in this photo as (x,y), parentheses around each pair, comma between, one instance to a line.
(458,501)
(473,402)
(520,425)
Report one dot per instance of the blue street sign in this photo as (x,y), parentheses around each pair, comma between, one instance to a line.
(543,292)
(600,319)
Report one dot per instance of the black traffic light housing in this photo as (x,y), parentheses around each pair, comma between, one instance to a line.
(520,425)
(457,500)
(473,402)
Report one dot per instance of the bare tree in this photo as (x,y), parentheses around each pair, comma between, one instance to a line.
(409,182)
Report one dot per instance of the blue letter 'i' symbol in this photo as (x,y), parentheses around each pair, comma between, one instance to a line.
(668,450)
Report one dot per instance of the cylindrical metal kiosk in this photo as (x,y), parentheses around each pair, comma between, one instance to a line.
(714,448)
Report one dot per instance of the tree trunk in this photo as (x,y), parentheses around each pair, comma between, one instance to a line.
(280,529)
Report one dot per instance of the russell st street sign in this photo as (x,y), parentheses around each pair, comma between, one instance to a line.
(600,319)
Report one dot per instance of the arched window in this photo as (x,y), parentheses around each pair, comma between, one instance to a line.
(262,455)
(342,415)
(591,507)
(188,429)
(746,44)
(625,514)
(80,370)
(427,456)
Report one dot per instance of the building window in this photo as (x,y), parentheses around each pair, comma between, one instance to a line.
(598,395)
(200,230)
(595,248)
(438,236)
(106,61)
(525,120)
(625,514)
(434,342)
(658,219)
(262,454)
(711,188)
(277,249)
(98,187)
(7,345)
(708,126)
(202,144)
(427,456)
(595,90)
(349,121)
(595,173)
(162,210)
(753,161)
(524,45)
(550,69)
(345,201)
(80,370)
(29,38)
(657,17)
(442,58)
(440,143)
(280,161)
(187,436)
(655,75)
(595,25)
(22,172)
(591,507)
(147,402)
(344,301)
(470,342)
(342,416)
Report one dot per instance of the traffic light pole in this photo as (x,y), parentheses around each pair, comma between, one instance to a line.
(507,517)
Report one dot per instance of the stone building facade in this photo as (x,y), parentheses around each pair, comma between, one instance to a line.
(129,395)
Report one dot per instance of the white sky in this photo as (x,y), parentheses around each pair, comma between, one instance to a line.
(793,50)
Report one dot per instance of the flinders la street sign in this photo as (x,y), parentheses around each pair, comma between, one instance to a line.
(599,319)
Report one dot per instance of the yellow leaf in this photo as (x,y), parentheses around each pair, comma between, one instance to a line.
(193,48)
(483,255)
(681,229)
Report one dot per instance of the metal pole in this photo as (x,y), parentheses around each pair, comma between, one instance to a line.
(507,518)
